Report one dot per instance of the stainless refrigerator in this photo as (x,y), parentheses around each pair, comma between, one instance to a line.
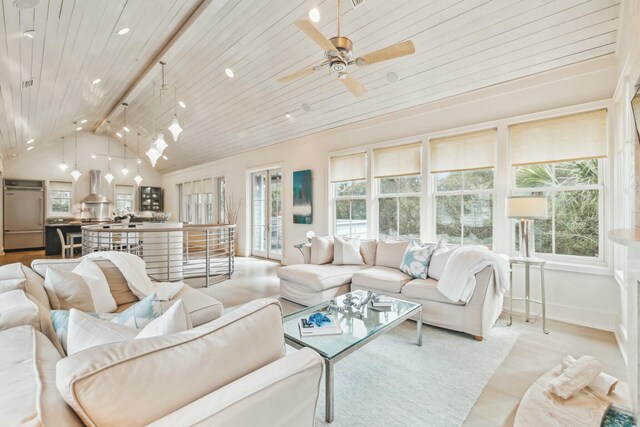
(23,214)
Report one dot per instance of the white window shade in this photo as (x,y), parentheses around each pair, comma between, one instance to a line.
(196,187)
(469,151)
(60,185)
(349,168)
(401,160)
(124,189)
(574,137)
(187,189)
(207,186)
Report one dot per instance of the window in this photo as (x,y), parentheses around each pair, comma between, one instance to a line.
(124,198)
(464,206)
(348,176)
(573,193)
(206,201)
(397,171)
(222,217)
(60,197)
(561,158)
(463,171)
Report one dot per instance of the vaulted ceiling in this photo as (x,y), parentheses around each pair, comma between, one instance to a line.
(460,46)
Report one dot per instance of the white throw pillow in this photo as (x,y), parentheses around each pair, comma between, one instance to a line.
(439,260)
(321,250)
(346,251)
(86,331)
(67,290)
(103,301)
(390,254)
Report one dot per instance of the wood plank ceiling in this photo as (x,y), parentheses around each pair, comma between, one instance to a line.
(460,46)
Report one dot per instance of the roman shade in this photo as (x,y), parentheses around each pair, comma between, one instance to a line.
(186,189)
(400,160)
(352,167)
(124,189)
(197,187)
(469,151)
(560,139)
(60,186)
(207,186)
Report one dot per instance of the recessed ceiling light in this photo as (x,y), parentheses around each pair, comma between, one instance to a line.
(118,134)
(123,31)
(30,33)
(83,121)
(182,104)
(126,129)
(30,148)
(79,128)
(165,157)
(288,115)
(96,81)
(314,15)
(139,161)
(229,72)
(108,158)
(25,4)
(305,107)
(30,141)
(93,156)
(392,77)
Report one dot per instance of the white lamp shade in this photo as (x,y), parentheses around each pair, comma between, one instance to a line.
(109,177)
(138,179)
(529,207)
(161,144)
(153,154)
(76,174)
(175,129)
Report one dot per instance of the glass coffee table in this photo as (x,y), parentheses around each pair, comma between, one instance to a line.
(358,326)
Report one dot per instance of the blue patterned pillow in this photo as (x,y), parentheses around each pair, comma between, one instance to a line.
(416,259)
(137,316)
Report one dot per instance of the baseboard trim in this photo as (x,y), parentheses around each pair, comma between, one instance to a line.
(621,340)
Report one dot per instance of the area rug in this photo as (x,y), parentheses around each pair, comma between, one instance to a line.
(393,382)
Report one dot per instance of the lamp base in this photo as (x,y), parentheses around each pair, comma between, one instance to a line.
(527,239)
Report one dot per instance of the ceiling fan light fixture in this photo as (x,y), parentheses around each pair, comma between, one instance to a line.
(175,128)
(314,15)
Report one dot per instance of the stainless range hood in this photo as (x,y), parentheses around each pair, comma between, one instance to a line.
(95,189)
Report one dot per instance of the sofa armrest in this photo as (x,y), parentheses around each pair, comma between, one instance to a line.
(305,248)
(485,282)
(283,393)
(485,306)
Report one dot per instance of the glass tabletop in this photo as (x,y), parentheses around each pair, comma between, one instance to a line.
(356,327)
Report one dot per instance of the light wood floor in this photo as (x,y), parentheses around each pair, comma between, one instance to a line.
(533,354)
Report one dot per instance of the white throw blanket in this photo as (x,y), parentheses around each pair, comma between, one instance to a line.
(458,281)
(134,270)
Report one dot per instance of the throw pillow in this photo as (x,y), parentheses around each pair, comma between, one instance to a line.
(416,260)
(67,290)
(137,316)
(346,251)
(321,250)
(12,285)
(439,260)
(390,254)
(86,331)
(103,301)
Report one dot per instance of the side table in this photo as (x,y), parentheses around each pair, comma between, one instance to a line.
(527,263)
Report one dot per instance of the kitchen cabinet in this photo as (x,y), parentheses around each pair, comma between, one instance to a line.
(151,199)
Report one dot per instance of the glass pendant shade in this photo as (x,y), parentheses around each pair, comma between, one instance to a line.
(175,128)
(76,174)
(153,154)
(63,166)
(161,144)
(138,179)
(109,177)
(125,171)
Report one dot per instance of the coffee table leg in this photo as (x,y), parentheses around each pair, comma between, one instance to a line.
(328,390)
(419,327)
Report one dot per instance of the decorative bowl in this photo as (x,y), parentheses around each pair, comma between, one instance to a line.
(161,216)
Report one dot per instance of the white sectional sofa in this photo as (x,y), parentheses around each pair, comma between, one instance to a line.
(318,280)
(230,370)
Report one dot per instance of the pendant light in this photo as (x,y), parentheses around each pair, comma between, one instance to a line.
(109,176)
(63,165)
(161,144)
(138,178)
(175,128)
(153,154)
(75,173)
(124,170)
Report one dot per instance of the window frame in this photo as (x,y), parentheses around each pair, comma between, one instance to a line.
(600,187)
(380,195)
(435,193)
(50,198)
(335,198)
(116,197)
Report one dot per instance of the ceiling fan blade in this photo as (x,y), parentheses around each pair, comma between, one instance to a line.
(391,52)
(297,75)
(352,84)
(314,34)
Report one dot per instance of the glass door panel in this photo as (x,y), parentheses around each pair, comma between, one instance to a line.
(275,214)
(259,207)
(267,214)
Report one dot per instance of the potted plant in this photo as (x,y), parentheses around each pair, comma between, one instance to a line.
(123,217)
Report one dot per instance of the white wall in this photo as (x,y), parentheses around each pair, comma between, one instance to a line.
(42,164)
(581,298)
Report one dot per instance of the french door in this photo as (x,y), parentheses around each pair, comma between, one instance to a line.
(266,214)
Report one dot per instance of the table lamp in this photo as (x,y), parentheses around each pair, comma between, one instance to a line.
(526,209)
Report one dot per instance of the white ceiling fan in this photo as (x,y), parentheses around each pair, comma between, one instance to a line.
(339,55)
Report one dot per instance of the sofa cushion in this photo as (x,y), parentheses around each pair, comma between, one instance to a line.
(103,301)
(426,289)
(67,290)
(34,284)
(28,394)
(389,254)
(368,251)
(7,285)
(201,307)
(316,277)
(17,308)
(346,251)
(384,279)
(321,250)
(157,376)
